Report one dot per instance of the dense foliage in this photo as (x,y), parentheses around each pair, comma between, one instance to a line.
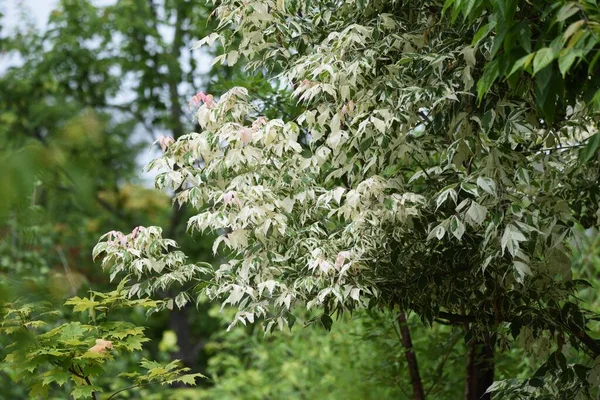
(71,140)
(404,167)
(445,163)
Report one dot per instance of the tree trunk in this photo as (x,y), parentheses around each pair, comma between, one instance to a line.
(179,323)
(411,359)
(480,369)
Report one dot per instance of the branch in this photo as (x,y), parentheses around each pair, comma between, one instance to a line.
(455,319)
(72,370)
(133,387)
(94,394)
(590,343)
(541,151)
(411,359)
(420,166)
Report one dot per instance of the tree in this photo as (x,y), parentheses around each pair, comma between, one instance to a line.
(70,139)
(445,164)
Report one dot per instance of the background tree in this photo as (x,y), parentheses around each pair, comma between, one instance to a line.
(71,137)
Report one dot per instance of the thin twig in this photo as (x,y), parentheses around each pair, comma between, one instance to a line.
(133,387)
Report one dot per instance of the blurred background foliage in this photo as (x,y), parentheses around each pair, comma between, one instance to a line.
(79,109)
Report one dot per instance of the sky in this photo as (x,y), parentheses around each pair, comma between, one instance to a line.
(38,11)
(34,10)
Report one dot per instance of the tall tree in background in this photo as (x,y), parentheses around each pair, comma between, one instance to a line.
(446,163)
(77,104)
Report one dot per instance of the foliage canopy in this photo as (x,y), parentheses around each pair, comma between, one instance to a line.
(444,161)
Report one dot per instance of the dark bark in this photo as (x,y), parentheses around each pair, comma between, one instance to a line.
(480,369)
(179,323)
(411,359)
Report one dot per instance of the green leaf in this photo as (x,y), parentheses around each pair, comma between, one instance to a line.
(578,36)
(501,5)
(149,364)
(85,392)
(291,320)
(574,27)
(548,84)
(73,330)
(468,7)
(590,148)
(81,304)
(543,57)
(482,33)
(567,11)
(457,227)
(326,321)
(447,5)
(133,343)
(128,375)
(456,10)
(499,40)
(188,379)
(90,355)
(491,73)
(521,63)
(565,60)
(595,101)
(593,63)
(524,36)
(39,391)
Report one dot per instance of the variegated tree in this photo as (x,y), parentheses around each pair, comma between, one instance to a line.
(445,163)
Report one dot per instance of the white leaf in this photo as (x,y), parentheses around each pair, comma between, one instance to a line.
(444,196)
(236,295)
(334,124)
(477,213)
(462,204)
(232,57)
(457,227)
(238,239)
(379,124)
(270,285)
(522,270)
(469,54)
(287,204)
(487,185)
(181,300)
(511,238)
(287,301)
(208,40)
(337,194)
(437,232)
